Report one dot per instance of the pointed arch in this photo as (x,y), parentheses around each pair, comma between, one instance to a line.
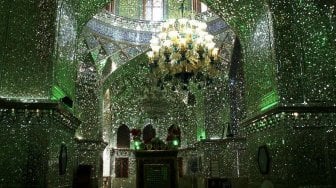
(123,137)
(148,133)
(174,132)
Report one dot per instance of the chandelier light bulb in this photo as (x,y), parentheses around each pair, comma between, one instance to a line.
(154,41)
(162,36)
(214,53)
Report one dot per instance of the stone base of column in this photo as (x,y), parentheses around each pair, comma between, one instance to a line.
(89,172)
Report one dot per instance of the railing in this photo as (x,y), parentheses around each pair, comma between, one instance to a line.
(206,16)
(144,25)
(135,31)
(127,23)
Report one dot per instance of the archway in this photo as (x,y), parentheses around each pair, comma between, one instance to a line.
(148,133)
(174,135)
(109,69)
(123,62)
(123,137)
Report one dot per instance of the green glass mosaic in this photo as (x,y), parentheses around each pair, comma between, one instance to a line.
(129,8)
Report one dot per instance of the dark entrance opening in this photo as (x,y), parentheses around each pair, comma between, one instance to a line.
(82,178)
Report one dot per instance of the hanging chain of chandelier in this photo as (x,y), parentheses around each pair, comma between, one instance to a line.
(183,49)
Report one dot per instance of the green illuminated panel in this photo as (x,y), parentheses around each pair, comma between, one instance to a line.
(269,101)
(201,134)
(57,93)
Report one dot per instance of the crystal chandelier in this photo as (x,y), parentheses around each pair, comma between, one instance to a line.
(183,49)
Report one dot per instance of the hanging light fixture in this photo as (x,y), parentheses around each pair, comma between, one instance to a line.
(183,49)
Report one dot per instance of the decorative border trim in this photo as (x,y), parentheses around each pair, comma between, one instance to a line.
(42,107)
(290,109)
(87,145)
